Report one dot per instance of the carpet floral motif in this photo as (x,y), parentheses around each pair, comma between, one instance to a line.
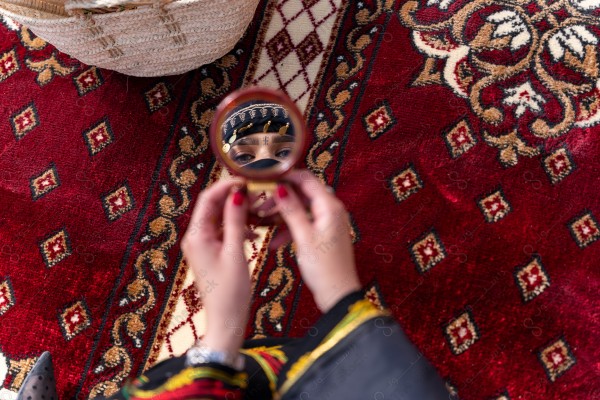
(528,69)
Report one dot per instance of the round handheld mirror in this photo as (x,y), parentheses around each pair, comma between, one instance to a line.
(258,134)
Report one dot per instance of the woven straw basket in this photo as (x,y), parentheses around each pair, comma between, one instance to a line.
(139,37)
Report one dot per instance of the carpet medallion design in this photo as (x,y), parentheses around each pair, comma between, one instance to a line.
(462,136)
(529,70)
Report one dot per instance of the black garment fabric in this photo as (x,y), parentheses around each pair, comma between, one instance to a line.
(376,361)
(262,164)
(257,113)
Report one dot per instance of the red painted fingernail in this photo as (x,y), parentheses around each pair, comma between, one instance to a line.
(282,191)
(238,198)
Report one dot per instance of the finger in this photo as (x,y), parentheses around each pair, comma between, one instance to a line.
(205,221)
(322,200)
(309,185)
(282,237)
(293,212)
(235,215)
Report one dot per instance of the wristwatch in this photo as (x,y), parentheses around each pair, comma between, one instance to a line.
(201,354)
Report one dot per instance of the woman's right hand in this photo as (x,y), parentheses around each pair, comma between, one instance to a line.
(323,243)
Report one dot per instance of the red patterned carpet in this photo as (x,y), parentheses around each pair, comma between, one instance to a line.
(462,135)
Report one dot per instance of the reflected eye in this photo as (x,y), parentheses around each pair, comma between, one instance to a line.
(283,153)
(242,158)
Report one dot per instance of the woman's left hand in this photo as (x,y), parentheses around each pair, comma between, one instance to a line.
(216,256)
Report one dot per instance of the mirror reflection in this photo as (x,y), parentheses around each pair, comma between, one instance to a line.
(258,135)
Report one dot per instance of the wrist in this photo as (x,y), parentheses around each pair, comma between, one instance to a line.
(225,327)
(223,341)
(331,297)
(202,354)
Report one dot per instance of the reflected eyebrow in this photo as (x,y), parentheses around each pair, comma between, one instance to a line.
(284,139)
(253,141)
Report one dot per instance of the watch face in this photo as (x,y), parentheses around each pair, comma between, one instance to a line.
(196,355)
(199,354)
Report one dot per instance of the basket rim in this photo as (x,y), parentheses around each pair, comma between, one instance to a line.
(47,18)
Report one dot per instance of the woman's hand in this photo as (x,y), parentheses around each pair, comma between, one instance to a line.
(323,243)
(216,256)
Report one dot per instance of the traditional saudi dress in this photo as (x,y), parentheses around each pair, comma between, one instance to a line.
(354,352)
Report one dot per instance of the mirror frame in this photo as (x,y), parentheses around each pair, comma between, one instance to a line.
(244,95)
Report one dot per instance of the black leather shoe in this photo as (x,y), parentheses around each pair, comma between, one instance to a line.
(39,383)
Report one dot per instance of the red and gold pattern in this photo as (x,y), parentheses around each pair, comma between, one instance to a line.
(428,252)
(118,202)
(556,359)
(158,96)
(494,206)
(510,147)
(18,368)
(44,183)
(532,279)
(511,61)
(49,68)
(379,121)
(461,333)
(405,184)
(460,139)
(585,230)
(98,137)
(24,121)
(74,319)
(55,248)
(88,80)
(28,39)
(373,294)
(8,64)
(7,296)
(558,165)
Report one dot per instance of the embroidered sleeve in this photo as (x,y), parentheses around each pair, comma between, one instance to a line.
(210,382)
(349,314)
(270,360)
